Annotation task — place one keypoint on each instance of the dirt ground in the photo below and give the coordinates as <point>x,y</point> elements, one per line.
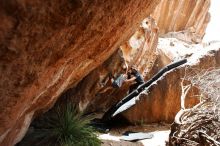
<point>120,143</point>
<point>139,128</point>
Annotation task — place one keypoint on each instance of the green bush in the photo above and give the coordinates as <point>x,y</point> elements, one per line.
<point>74,130</point>
<point>65,127</point>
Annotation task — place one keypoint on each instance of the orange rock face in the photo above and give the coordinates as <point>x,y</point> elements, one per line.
<point>96,88</point>
<point>48,46</point>
<point>189,16</point>
<point>140,49</point>
<point>162,101</point>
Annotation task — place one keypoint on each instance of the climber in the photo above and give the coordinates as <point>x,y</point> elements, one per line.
<point>117,83</point>
<point>134,75</point>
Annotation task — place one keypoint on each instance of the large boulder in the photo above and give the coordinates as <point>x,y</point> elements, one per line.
<point>96,88</point>
<point>186,19</point>
<point>163,100</point>
<point>141,50</point>
<point>49,46</point>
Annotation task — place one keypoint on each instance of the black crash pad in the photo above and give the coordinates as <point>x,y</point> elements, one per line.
<point>113,111</point>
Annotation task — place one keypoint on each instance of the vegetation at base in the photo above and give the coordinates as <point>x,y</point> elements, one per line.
<point>63,127</point>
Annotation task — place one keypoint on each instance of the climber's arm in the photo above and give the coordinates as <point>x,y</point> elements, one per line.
<point>131,80</point>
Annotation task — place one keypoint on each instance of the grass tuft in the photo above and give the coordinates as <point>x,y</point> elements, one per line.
<point>64,127</point>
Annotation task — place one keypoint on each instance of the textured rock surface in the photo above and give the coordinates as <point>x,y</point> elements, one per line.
<point>189,15</point>
<point>140,49</point>
<point>163,99</point>
<point>48,46</point>
<point>190,18</point>
<point>96,88</point>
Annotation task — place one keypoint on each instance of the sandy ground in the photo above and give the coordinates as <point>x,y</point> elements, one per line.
<point>160,132</point>
<point>120,143</point>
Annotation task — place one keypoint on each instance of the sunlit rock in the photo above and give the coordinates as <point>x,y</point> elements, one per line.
<point>187,17</point>
<point>49,46</point>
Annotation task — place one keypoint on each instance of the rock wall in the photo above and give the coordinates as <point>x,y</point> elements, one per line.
<point>190,19</point>
<point>189,15</point>
<point>96,88</point>
<point>49,46</point>
<point>162,101</point>
<point>140,49</point>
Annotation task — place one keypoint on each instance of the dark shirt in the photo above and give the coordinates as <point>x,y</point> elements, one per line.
<point>139,79</point>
